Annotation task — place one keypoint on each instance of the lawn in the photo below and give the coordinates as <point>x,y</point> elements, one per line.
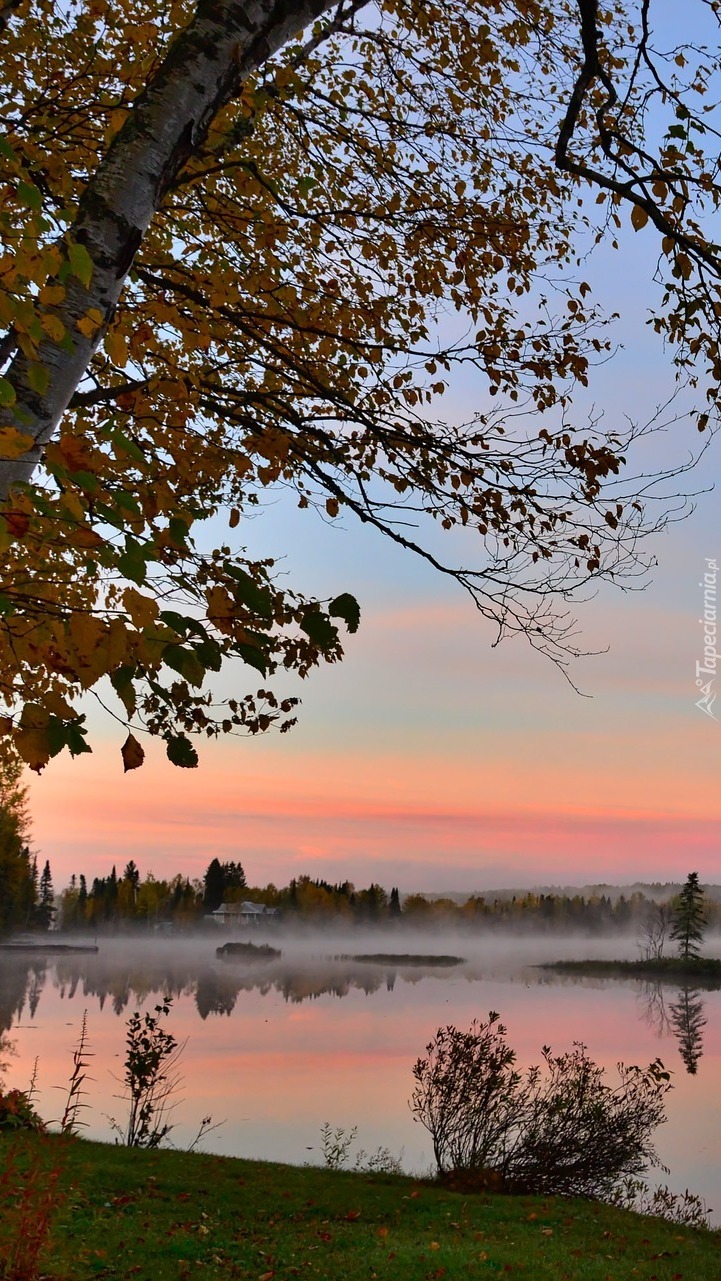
<point>172,1216</point>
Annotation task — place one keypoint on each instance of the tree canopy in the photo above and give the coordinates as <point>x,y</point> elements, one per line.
<point>245,246</point>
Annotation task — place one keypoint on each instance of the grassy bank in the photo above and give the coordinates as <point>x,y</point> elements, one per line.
<point>169,1216</point>
<point>705,970</point>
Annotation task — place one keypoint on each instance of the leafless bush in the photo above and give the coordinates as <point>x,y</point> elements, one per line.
<point>557,1129</point>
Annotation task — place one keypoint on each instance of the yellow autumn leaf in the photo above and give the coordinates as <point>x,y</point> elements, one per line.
<point>142,609</point>
<point>85,632</point>
<point>13,443</point>
<point>116,346</point>
<point>32,747</point>
<point>90,323</point>
<point>53,326</point>
<point>52,295</point>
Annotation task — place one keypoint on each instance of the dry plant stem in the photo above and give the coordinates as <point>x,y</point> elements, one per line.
<point>69,1121</point>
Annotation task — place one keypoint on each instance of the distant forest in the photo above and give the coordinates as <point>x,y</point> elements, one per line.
<point>129,899</point>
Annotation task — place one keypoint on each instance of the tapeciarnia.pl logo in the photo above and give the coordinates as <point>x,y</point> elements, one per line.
<point>706,671</point>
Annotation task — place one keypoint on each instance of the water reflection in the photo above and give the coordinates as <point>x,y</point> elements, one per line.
<point>686,1016</point>
<point>682,1017</point>
<point>214,987</point>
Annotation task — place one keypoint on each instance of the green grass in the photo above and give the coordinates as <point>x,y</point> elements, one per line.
<point>169,1216</point>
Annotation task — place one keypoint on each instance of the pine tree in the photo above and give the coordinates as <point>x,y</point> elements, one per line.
<point>394,904</point>
<point>689,921</point>
<point>213,886</point>
<point>45,910</point>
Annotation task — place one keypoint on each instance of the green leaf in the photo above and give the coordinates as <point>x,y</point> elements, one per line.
<point>131,562</point>
<point>209,654</point>
<point>178,530</point>
<point>346,607</point>
<point>181,752</point>
<point>81,264</point>
<point>127,445</point>
<point>68,734</point>
<point>7,393</point>
<point>38,377</point>
<point>319,628</point>
<point>248,592</point>
<point>28,194</point>
<point>178,622</point>
<point>122,682</point>
<point>255,657</point>
<point>185,662</point>
<point>86,480</point>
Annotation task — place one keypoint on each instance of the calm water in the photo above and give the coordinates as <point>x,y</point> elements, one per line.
<point>275,1051</point>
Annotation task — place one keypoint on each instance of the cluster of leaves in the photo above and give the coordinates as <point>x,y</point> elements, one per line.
<point>282,323</point>
<point>559,1131</point>
<point>17,1112</point>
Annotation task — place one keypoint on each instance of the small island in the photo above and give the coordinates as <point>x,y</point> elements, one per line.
<point>704,970</point>
<point>684,922</point>
<point>400,958</point>
<point>248,952</point>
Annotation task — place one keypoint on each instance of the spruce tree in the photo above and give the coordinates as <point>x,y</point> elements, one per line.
<point>45,910</point>
<point>689,920</point>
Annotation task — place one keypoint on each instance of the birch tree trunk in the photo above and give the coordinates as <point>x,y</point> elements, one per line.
<point>205,67</point>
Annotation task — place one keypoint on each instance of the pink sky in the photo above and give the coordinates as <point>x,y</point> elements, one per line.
<point>429,761</point>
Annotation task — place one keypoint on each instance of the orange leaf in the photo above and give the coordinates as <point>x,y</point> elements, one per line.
<point>133,757</point>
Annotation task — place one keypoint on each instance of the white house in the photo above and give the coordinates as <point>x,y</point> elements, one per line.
<point>235,915</point>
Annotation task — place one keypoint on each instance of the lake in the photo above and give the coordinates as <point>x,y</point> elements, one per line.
<point>276,1050</point>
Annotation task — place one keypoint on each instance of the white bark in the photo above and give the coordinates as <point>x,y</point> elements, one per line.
<point>204,69</point>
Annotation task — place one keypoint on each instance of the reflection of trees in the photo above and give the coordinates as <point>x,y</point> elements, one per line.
<point>215,985</point>
<point>683,1018</point>
<point>653,1007</point>
<point>212,995</point>
<point>686,1016</point>
<point>21,981</point>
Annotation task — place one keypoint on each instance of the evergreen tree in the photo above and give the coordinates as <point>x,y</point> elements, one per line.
<point>17,888</point>
<point>132,875</point>
<point>394,904</point>
<point>233,876</point>
<point>213,886</point>
<point>689,920</point>
<point>45,910</point>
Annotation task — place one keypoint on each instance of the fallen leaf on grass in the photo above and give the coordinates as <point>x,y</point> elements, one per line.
<point>352,1215</point>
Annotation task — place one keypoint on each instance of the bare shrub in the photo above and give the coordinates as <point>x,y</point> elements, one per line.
<point>556,1129</point>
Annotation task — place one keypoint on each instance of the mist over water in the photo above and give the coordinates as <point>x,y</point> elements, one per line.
<point>276,1048</point>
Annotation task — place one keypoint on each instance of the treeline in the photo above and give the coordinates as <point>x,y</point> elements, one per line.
<point>26,896</point>
<point>116,901</point>
<point>119,901</point>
